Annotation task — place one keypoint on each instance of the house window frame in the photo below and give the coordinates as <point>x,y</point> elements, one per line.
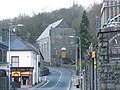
<point>14,62</point>
<point>1,56</point>
<point>4,56</point>
<point>47,47</point>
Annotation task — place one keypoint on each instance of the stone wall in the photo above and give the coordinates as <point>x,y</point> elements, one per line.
<point>59,39</point>
<point>3,80</point>
<point>108,60</point>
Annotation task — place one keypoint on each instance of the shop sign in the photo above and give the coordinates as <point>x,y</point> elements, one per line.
<point>15,73</point>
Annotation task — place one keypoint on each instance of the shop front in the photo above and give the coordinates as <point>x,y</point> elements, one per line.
<point>22,76</point>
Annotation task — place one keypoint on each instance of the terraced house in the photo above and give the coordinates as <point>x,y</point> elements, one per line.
<point>24,61</point>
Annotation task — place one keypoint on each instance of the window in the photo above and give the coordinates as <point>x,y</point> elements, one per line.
<point>15,61</point>
<point>39,64</point>
<point>4,55</point>
<point>119,8</point>
<point>111,2</point>
<point>1,55</point>
<point>47,46</point>
<point>42,48</point>
<point>107,13</point>
<point>111,12</point>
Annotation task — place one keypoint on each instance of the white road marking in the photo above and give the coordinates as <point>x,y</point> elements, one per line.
<point>57,81</point>
<point>116,41</point>
<point>45,84</point>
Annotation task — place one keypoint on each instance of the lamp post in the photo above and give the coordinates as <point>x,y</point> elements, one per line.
<point>78,62</point>
<point>78,46</point>
<point>10,28</point>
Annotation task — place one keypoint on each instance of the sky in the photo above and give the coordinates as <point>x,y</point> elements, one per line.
<point>13,8</point>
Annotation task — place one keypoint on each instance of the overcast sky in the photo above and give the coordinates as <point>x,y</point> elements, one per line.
<point>12,8</point>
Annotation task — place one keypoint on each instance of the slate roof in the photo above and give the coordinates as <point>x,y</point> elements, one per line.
<point>3,46</point>
<point>53,25</point>
<point>17,44</point>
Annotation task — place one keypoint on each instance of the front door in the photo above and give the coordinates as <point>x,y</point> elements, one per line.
<point>16,80</point>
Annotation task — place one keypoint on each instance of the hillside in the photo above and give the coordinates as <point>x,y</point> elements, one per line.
<point>34,26</point>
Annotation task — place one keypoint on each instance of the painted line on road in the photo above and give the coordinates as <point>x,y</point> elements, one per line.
<point>69,86</point>
<point>45,84</point>
<point>57,81</point>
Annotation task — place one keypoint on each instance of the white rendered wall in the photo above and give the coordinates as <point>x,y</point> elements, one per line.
<point>26,59</point>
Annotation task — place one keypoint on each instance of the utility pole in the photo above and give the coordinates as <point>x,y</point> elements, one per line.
<point>94,70</point>
<point>80,60</point>
<point>91,74</point>
<point>76,61</point>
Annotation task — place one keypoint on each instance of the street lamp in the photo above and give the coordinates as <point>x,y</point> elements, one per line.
<point>10,28</point>
<point>78,62</point>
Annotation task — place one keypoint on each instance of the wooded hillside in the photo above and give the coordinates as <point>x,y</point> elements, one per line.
<point>34,26</point>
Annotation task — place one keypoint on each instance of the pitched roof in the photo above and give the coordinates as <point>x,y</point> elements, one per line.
<point>46,31</point>
<point>3,46</point>
<point>18,44</point>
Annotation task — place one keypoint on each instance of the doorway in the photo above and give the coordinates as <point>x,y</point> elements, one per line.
<point>25,80</point>
<point>17,82</point>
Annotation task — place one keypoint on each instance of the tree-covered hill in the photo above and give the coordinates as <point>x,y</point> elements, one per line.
<point>34,26</point>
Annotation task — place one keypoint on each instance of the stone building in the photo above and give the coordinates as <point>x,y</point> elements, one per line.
<point>3,54</point>
<point>108,58</point>
<point>108,50</point>
<point>56,36</point>
<point>110,9</point>
<point>3,67</point>
<point>4,85</point>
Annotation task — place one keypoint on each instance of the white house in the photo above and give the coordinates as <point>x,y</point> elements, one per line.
<point>24,61</point>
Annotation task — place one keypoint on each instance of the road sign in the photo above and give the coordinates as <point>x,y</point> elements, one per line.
<point>93,54</point>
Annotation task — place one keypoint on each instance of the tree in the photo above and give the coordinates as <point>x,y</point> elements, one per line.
<point>84,35</point>
<point>94,11</point>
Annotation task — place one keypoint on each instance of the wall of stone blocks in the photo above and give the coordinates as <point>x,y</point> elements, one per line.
<point>4,83</point>
<point>108,60</point>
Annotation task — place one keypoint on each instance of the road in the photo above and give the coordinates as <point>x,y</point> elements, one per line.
<point>58,79</point>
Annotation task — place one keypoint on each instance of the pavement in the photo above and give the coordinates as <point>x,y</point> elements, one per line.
<point>35,86</point>
<point>71,86</point>
<point>73,82</point>
<point>40,84</point>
